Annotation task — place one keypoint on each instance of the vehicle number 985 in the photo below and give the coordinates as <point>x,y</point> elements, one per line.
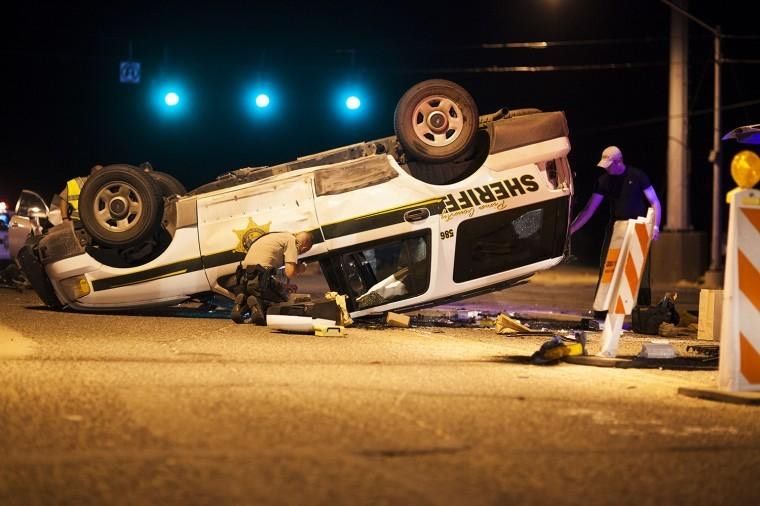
<point>447,234</point>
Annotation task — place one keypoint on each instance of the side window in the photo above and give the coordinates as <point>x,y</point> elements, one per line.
<point>510,239</point>
<point>385,272</point>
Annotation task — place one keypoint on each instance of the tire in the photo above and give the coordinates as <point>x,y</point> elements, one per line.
<point>436,121</point>
<point>120,206</point>
<point>168,184</point>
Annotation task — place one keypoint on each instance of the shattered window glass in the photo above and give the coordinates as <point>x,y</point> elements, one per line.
<point>528,224</point>
<point>389,271</point>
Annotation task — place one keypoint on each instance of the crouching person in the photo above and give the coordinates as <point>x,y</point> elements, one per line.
<point>260,280</point>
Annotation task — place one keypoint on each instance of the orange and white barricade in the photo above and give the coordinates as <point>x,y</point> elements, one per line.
<point>739,368</point>
<point>621,277</point>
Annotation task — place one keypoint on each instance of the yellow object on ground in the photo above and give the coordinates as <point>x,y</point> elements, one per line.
<point>565,350</point>
<point>329,330</point>
<point>554,350</point>
<point>340,300</point>
<point>506,325</point>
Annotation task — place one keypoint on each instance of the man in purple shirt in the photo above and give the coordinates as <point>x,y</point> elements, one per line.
<point>630,194</point>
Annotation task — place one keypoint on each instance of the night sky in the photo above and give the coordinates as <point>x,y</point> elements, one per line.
<point>64,109</point>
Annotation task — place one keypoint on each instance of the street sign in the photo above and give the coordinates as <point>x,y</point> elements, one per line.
<point>129,72</point>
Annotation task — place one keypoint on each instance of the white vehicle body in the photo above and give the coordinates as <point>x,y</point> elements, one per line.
<point>385,237</point>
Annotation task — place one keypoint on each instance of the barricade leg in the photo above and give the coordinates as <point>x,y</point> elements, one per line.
<point>613,327</point>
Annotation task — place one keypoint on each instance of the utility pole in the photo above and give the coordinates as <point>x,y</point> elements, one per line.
<point>677,184</point>
<point>678,216</point>
<point>714,276</point>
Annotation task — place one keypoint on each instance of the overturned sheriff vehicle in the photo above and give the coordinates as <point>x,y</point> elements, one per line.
<point>453,205</point>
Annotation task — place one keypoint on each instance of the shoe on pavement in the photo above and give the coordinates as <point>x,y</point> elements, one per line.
<point>257,314</point>
<point>240,310</point>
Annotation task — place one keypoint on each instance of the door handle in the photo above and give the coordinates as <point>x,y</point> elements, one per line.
<point>417,214</point>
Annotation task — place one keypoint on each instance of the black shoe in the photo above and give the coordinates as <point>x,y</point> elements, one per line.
<point>257,312</point>
<point>241,310</point>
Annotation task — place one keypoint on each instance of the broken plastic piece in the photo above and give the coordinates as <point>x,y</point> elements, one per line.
<point>344,317</point>
<point>507,325</point>
<point>464,315</point>
<point>591,324</point>
<point>397,320</point>
<point>290,323</point>
<point>657,350</point>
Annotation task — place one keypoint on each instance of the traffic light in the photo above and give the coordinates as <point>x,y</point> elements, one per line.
<point>353,102</point>
<point>170,98</point>
<point>261,99</point>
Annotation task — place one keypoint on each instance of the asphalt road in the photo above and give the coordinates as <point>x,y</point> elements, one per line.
<point>189,408</point>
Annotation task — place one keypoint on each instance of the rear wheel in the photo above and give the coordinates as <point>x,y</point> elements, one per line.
<point>436,121</point>
<point>120,206</point>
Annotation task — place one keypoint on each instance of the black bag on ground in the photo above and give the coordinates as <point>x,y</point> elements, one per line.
<point>647,319</point>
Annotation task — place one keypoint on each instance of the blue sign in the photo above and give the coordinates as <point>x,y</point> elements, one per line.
<point>129,72</point>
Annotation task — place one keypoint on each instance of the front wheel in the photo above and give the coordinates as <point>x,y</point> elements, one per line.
<point>436,121</point>
<point>120,206</point>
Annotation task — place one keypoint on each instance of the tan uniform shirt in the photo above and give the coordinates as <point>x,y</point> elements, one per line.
<point>272,250</point>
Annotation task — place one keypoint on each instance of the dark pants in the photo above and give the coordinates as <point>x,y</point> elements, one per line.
<point>645,290</point>
<point>260,281</point>
<point>256,290</point>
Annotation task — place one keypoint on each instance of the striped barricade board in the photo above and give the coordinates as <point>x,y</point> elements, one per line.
<point>611,267</point>
<point>619,286</point>
<point>739,368</point>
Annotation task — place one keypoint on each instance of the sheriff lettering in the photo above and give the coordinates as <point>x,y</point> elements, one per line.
<point>489,193</point>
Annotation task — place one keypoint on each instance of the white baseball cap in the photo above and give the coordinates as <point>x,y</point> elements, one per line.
<point>609,155</point>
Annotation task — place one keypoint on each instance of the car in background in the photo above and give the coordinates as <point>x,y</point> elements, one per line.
<point>454,204</point>
<point>748,134</point>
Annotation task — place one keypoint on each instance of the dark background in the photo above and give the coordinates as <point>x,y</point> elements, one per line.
<point>64,110</point>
